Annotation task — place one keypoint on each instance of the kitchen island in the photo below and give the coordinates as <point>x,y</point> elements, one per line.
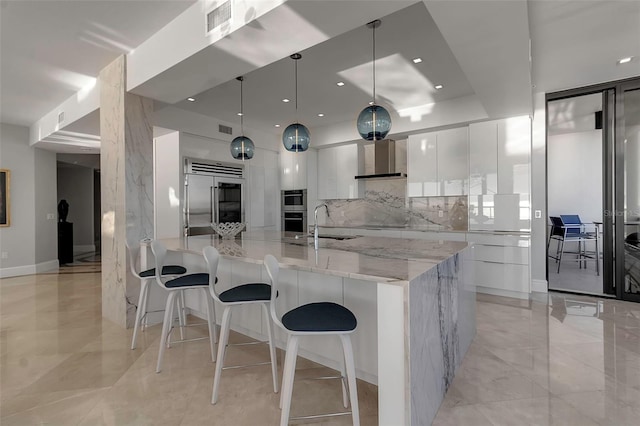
<point>414,300</point>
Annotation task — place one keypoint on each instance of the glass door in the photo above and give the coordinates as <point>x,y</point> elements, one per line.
<point>627,216</point>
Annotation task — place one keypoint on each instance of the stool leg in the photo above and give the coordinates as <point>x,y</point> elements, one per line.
<point>211,317</point>
<point>139,312</point>
<point>287,382</point>
<point>166,327</point>
<point>222,349</point>
<point>272,347</point>
<point>182,318</point>
<point>351,376</point>
<point>145,303</point>
<point>343,382</point>
<point>284,373</point>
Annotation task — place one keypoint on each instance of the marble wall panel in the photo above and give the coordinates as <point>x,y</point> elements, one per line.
<point>126,187</point>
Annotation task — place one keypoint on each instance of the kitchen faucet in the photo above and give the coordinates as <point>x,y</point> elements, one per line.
<point>315,223</point>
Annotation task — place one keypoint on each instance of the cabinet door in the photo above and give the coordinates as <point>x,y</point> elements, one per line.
<point>514,155</point>
<point>347,169</point>
<point>453,162</point>
<point>422,165</point>
<point>293,170</point>
<point>327,170</point>
<point>286,176</point>
<point>483,158</point>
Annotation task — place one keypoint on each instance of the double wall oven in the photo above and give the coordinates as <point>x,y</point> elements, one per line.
<point>294,210</point>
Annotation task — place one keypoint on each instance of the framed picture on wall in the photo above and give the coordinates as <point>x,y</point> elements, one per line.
<point>5,200</point>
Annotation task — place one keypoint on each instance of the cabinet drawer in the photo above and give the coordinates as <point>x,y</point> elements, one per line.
<point>502,254</point>
<point>504,276</point>
<point>499,240</point>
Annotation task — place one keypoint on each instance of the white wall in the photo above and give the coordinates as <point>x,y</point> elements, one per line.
<point>75,184</point>
<point>574,174</point>
<point>539,195</point>
<point>30,240</point>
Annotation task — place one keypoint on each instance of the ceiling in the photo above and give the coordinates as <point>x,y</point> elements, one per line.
<point>573,43</point>
<point>404,35</point>
<point>52,49</point>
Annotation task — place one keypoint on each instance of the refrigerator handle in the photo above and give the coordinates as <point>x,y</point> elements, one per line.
<point>186,209</point>
<point>212,204</point>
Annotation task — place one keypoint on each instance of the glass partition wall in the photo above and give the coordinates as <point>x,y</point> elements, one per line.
<point>593,189</point>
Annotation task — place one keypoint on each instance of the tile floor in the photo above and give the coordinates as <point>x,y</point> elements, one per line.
<point>566,360</point>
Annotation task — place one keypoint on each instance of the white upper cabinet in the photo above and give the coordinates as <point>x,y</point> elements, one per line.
<point>337,168</point>
<point>293,170</point>
<point>483,158</point>
<point>437,163</point>
<point>500,159</point>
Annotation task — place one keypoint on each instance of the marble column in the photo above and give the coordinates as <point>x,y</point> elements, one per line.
<point>126,171</point>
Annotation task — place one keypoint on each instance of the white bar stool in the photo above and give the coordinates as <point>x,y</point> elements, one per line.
<point>314,319</point>
<point>253,293</point>
<point>145,277</point>
<point>198,281</point>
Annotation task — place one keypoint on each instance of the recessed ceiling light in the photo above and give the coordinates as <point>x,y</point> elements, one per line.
<point>277,125</point>
<point>438,86</point>
<point>321,115</point>
<point>240,114</point>
<point>285,100</point>
<point>417,60</point>
<point>340,83</point>
<point>191,99</point>
<point>625,60</point>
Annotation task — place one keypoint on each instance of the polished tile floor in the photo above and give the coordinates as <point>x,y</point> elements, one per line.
<point>565,360</point>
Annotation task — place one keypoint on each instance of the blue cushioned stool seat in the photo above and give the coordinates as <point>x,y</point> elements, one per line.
<point>323,316</point>
<point>247,293</point>
<point>166,270</point>
<point>188,280</point>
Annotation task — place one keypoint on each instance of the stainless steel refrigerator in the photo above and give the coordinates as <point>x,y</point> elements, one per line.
<point>212,199</point>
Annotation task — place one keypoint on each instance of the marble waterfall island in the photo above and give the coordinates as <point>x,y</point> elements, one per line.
<point>414,301</point>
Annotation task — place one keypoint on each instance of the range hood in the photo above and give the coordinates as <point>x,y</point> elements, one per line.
<point>385,161</point>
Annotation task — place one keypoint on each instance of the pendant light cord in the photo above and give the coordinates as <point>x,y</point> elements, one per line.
<point>241,107</point>
<point>374,64</point>
<point>296,68</point>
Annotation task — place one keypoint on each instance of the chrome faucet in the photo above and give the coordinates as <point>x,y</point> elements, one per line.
<point>315,223</point>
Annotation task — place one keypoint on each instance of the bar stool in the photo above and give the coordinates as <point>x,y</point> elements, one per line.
<point>197,281</point>
<point>145,277</point>
<point>245,294</point>
<point>314,319</point>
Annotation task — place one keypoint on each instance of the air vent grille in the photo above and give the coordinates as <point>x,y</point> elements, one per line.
<point>60,117</point>
<point>219,16</point>
<point>225,129</point>
<point>199,167</point>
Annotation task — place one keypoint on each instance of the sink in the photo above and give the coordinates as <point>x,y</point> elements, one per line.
<point>308,239</point>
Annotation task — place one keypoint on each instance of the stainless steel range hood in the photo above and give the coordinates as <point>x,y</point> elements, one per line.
<point>385,161</point>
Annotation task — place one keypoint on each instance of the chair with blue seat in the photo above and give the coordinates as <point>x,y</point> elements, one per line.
<point>174,286</point>
<point>244,294</point>
<point>314,319</point>
<point>572,231</point>
<point>145,277</point>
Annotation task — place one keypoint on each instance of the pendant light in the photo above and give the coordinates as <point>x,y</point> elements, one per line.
<point>296,136</point>
<point>374,122</point>
<point>242,147</point>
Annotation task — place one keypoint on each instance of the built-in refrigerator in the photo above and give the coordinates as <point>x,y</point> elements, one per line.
<point>211,198</point>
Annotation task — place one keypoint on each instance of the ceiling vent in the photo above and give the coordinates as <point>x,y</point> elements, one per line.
<point>219,16</point>
<point>60,117</point>
<point>225,129</point>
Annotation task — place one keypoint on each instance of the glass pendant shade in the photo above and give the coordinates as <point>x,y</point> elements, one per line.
<point>296,138</point>
<point>242,148</point>
<point>374,123</point>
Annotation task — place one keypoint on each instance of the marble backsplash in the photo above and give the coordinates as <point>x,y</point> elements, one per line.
<point>385,204</point>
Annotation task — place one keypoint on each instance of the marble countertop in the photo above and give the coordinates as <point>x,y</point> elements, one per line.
<point>365,258</point>
<point>422,228</point>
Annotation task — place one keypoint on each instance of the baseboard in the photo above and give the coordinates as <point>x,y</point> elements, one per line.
<point>17,271</point>
<point>539,286</point>
<point>503,293</point>
<point>83,248</point>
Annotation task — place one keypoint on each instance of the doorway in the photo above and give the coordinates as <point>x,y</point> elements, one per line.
<point>593,190</point>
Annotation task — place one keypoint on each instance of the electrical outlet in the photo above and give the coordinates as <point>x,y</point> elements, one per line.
<point>538,214</point>
<point>5,255</point>
<point>440,213</point>
<point>50,216</point>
